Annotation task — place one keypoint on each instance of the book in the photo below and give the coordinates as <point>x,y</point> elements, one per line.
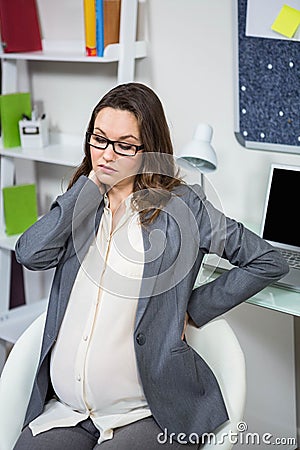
<point>20,208</point>
<point>99,27</point>
<point>102,25</point>
<point>20,27</point>
<point>12,109</point>
<point>17,291</point>
<point>90,27</point>
<point>111,13</point>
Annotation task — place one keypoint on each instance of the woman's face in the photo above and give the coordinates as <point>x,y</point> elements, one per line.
<point>113,169</point>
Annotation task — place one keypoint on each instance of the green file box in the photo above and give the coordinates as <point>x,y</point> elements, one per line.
<point>20,207</point>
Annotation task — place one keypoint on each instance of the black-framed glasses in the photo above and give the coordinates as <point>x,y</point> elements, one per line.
<point>120,148</point>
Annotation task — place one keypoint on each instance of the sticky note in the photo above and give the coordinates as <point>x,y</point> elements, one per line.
<point>20,207</point>
<point>287,21</point>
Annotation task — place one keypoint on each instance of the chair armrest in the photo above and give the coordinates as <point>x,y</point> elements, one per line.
<point>17,380</point>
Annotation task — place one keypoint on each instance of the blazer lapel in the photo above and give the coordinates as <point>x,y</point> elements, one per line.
<point>154,238</point>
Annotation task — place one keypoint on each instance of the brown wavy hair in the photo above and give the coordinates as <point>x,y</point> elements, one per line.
<point>158,175</point>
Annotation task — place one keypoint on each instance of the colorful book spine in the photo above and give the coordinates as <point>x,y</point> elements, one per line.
<point>102,25</point>
<point>99,27</point>
<point>111,15</point>
<point>90,27</point>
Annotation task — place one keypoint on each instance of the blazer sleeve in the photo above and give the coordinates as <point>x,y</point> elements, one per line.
<point>42,245</point>
<point>258,264</point>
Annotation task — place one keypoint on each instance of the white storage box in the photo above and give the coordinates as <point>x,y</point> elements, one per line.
<point>34,133</point>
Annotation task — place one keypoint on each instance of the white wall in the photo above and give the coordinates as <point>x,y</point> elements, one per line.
<point>190,65</point>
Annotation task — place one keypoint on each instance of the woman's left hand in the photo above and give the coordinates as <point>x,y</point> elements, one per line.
<point>186,319</point>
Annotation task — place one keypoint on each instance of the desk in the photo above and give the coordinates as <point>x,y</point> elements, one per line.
<point>278,299</point>
<point>272,297</point>
<point>264,326</point>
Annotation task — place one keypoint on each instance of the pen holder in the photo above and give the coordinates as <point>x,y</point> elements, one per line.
<point>34,133</point>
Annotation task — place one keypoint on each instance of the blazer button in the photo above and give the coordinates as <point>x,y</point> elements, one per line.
<point>141,339</point>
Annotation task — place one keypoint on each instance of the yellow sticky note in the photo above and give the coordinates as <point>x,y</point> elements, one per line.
<point>287,21</point>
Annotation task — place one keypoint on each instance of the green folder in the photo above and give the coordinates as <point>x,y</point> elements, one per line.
<point>12,108</point>
<point>20,207</point>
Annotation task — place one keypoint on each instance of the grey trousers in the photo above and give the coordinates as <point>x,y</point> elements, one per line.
<point>138,435</point>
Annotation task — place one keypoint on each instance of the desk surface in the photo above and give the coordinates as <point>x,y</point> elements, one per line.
<point>278,299</point>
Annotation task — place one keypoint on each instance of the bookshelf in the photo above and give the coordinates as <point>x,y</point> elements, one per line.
<point>62,150</point>
<point>65,155</point>
<point>72,51</point>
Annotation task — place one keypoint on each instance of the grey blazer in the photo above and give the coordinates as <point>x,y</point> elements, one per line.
<point>181,390</point>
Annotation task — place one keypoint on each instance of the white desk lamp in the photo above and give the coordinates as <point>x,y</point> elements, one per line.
<point>198,152</point>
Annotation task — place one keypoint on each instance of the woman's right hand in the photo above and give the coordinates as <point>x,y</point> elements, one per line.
<point>92,176</point>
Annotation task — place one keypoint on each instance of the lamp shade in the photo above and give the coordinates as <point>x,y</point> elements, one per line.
<point>199,152</point>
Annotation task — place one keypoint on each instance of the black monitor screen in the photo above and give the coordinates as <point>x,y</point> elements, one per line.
<point>282,217</point>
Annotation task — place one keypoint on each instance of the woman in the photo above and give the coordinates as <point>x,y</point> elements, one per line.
<point>127,240</point>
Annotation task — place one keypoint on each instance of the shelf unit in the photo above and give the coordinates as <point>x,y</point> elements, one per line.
<point>72,51</point>
<point>15,77</point>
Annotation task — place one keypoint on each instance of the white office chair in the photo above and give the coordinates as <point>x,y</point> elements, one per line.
<point>215,342</point>
<point>17,380</point>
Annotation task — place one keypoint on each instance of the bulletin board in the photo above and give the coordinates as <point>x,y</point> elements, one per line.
<point>267,88</point>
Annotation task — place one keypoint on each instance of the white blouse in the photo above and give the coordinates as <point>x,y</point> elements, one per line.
<point>93,366</point>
